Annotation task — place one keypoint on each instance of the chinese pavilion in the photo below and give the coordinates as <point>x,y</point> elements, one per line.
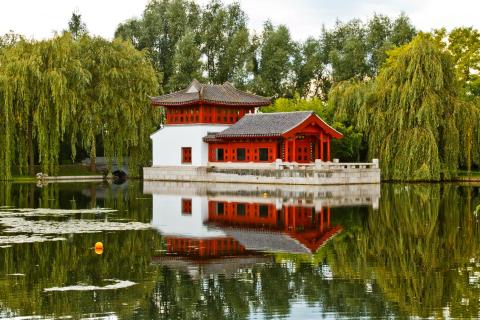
<point>218,123</point>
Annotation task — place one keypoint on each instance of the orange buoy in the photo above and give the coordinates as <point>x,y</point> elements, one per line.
<point>98,248</point>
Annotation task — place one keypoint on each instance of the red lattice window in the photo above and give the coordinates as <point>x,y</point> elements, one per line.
<point>186,155</point>
<point>186,206</point>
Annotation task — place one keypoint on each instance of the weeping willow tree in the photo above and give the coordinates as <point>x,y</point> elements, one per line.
<point>412,115</point>
<point>115,107</point>
<point>41,84</point>
<point>83,89</point>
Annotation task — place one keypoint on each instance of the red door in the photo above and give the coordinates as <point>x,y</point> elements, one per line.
<point>302,152</point>
<point>186,155</point>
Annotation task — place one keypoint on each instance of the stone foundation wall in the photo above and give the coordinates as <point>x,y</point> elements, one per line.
<point>318,174</point>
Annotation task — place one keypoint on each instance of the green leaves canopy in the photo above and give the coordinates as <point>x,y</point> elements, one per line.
<point>412,114</point>
<point>53,88</point>
<point>464,46</point>
<point>269,62</point>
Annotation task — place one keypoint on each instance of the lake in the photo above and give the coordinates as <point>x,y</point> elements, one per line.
<point>233,251</point>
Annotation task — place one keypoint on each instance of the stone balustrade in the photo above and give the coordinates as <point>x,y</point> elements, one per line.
<point>318,173</point>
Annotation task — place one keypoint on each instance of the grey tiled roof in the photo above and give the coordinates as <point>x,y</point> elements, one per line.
<point>268,125</point>
<point>225,94</point>
<point>266,241</point>
<point>265,124</point>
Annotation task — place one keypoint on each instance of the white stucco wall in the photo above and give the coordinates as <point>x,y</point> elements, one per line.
<point>168,142</point>
<point>169,220</point>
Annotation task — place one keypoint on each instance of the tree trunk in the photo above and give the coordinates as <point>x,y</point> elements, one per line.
<point>31,150</point>
<point>93,157</point>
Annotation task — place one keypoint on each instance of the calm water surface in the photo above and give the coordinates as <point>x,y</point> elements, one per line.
<point>220,251</point>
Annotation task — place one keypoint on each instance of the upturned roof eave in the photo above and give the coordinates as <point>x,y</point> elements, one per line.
<point>325,126</point>
<point>223,94</point>
<point>215,102</point>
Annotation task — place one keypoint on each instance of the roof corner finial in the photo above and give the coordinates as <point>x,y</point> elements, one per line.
<point>200,93</point>
<point>194,86</point>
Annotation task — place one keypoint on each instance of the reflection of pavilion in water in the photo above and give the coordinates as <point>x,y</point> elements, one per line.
<point>273,227</point>
<point>218,220</point>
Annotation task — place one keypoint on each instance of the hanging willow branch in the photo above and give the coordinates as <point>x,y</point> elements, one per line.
<point>412,114</point>
<point>89,88</point>
<point>115,106</point>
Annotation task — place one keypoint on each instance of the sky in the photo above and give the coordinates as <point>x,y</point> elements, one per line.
<point>39,19</point>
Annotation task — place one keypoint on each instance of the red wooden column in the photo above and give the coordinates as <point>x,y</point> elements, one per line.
<point>328,149</point>
<point>328,216</point>
<point>294,151</point>
<point>285,151</point>
<point>321,146</point>
<point>201,113</point>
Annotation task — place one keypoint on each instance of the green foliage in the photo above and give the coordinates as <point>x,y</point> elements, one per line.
<point>116,104</point>
<point>163,24</point>
<point>76,26</point>
<point>269,63</point>
<point>346,50</point>
<point>275,61</point>
<point>9,39</point>
<point>412,116</point>
<point>59,88</point>
<point>187,64</point>
<point>299,104</point>
<point>225,40</point>
<point>311,75</point>
<point>356,50</point>
<point>42,83</point>
<point>464,46</point>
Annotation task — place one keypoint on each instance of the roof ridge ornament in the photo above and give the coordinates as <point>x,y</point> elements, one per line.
<point>194,86</point>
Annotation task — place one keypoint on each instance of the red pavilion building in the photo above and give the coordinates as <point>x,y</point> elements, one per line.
<point>219,123</point>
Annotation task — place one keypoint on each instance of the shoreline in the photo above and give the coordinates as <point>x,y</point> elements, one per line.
<point>98,178</point>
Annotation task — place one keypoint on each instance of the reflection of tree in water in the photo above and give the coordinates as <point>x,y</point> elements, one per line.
<point>127,256</point>
<point>410,257</point>
<point>417,248</point>
<point>415,255</point>
<point>66,263</point>
<point>127,199</point>
<point>268,289</point>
